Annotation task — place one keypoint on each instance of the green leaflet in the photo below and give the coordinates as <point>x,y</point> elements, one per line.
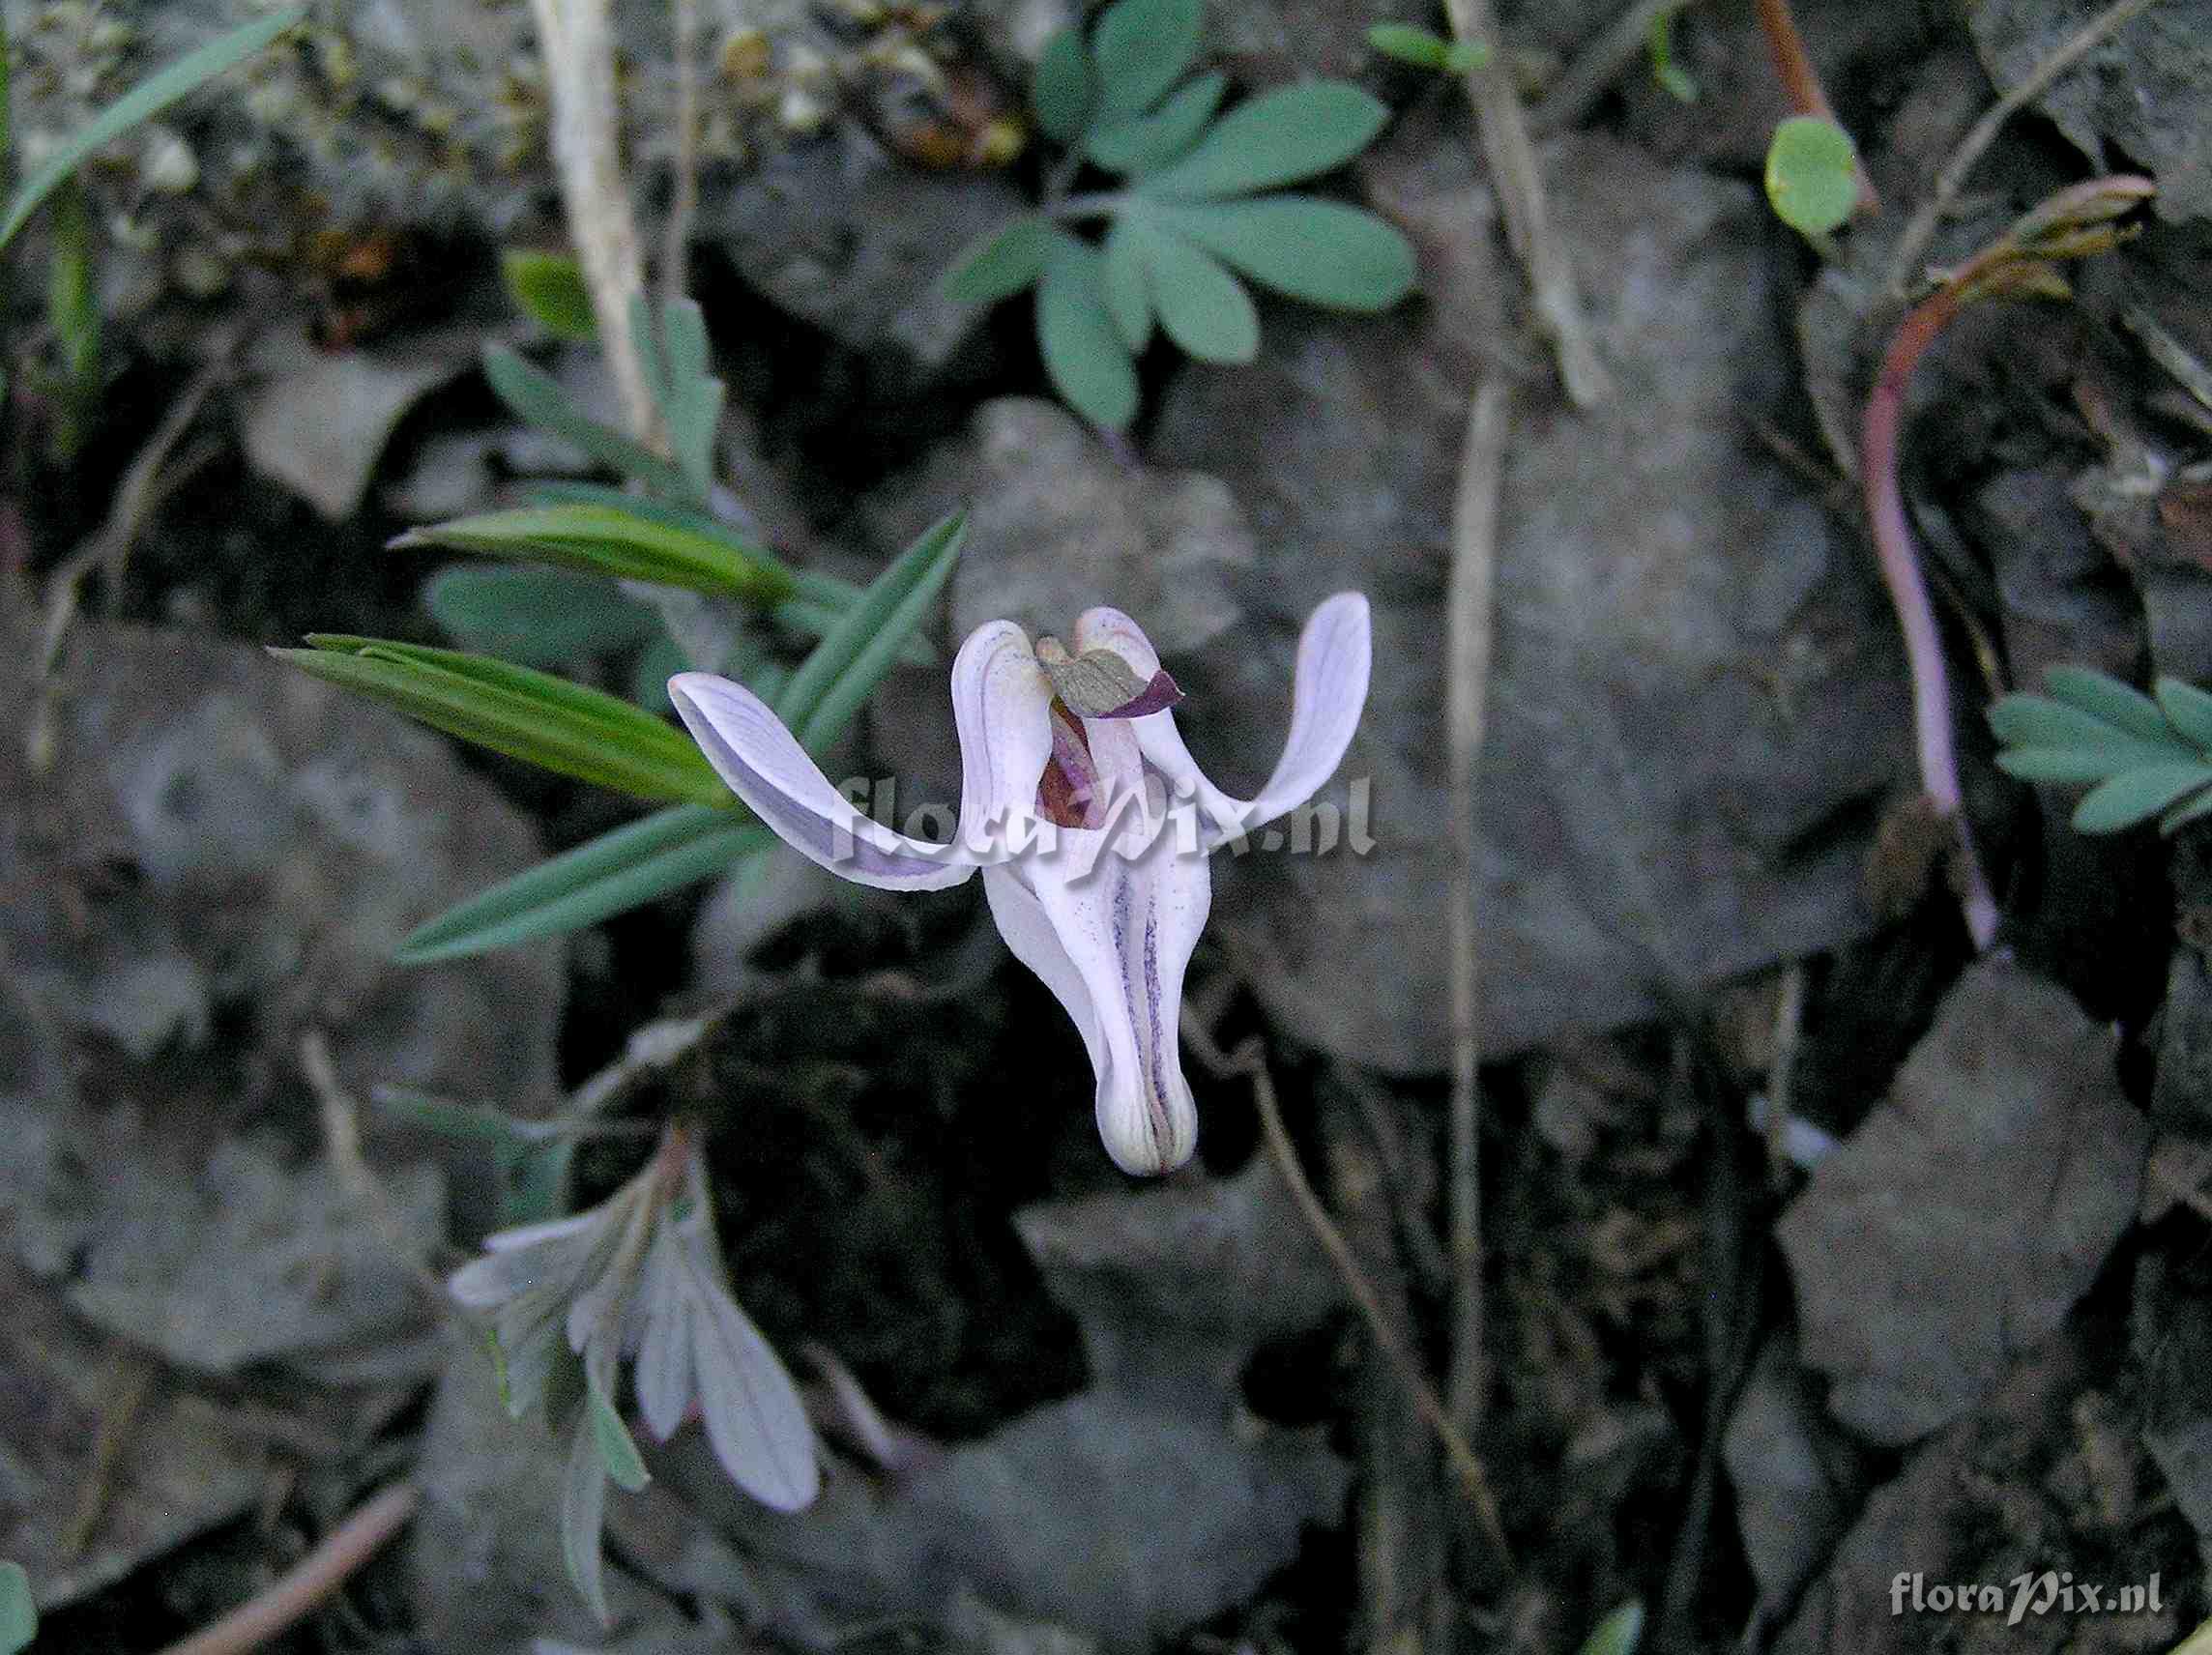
<point>1126,281</point>
<point>676,362</point>
<point>549,289</point>
<point>1811,174</point>
<point>1138,50</point>
<point>1279,137</point>
<point>1144,143</point>
<point>2135,796</point>
<point>536,398</point>
<point>18,1610</point>
<point>616,540</point>
<point>520,712</point>
<point>1202,306</point>
<point>1063,91</point>
<point>1321,251</point>
<point>1088,364</point>
<point>1001,264</point>
<point>1425,50</point>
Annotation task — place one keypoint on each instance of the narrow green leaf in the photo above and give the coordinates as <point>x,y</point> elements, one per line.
<point>1619,1633</point>
<point>1127,286</point>
<point>1084,355</point>
<point>618,1450</point>
<point>541,618</point>
<point>18,1610</point>
<point>148,99</point>
<point>2022,720</point>
<point>2136,796</point>
<point>1138,49</point>
<point>1811,174</point>
<point>2188,709</point>
<point>1145,143</point>
<point>1001,264</point>
<point>1063,91</point>
<point>617,541</point>
<point>533,395</point>
<point>1409,44</point>
<point>1202,306</point>
<point>670,515</point>
<point>2107,698</point>
<point>846,666</point>
<point>1324,252</point>
<point>549,289</point>
<point>520,712</point>
<point>857,682</point>
<point>1279,137</point>
<point>615,872</point>
<point>677,361</point>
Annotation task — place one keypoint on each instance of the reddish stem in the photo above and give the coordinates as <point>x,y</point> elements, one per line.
<point>1801,81</point>
<point>1909,592</point>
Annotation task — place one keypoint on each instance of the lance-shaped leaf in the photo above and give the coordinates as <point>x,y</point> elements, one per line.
<point>1321,251</point>
<point>615,541</point>
<point>1145,143</point>
<point>1084,354</point>
<point>520,712</point>
<point>549,289</point>
<point>2136,796</point>
<point>2188,710</point>
<point>1278,137</point>
<point>1138,49</point>
<point>677,361</point>
<point>142,102</point>
<point>535,397</point>
<point>538,617</point>
<point>1063,91</point>
<point>1127,282</point>
<point>2109,700</point>
<point>1001,264</point>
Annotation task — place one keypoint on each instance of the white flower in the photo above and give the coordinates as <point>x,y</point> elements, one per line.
<point>1046,791</point>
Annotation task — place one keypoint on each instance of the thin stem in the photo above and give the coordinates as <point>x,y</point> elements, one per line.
<point>1912,245</point>
<point>1468,645</point>
<point>1099,204</point>
<point>1512,155</point>
<point>1899,561</point>
<point>314,1578</point>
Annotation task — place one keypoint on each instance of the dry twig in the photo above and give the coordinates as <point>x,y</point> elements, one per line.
<point>1912,245</point>
<point>314,1578</point>
<point>341,1139</point>
<point>676,249</point>
<point>1512,156</point>
<point>133,1381</point>
<point>1467,645</point>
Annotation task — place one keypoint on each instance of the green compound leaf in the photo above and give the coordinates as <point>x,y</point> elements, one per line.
<point>616,541</point>
<point>2188,709</point>
<point>1321,251</point>
<point>1001,264</point>
<point>535,397</point>
<point>1202,306</point>
<point>520,712</point>
<point>1063,91</point>
<point>549,289</point>
<point>540,618</point>
<point>142,102</point>
<point>1145,143</point>
<point>2136,796</point>
<point>1278,137</point>
<point>633,865</point>
<point>1128,287</point>
<point>1138,49</point>
<point>2110,700</point>
<point>1084,355</point>
<point>1811,174</point>
<point>18,1610</point>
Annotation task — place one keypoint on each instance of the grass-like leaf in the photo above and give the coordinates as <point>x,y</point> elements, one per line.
<point>1063,92</point>
<point>536,398</point>
<point>1321,251</point>
<point>1811,174</point>
<point>549,289</point>
<point>1145,143</point>
<point>1127,284</point>
<point>1084,355</point>
<point>617,541</point>
<point>1279,137</point>
<point>142,102</point>
<point>18,1610</point>
<point>820,700</point>
<point>1138,50</point>
<point>1202,306</point>
<point>1001,264</point>
<point>2137,794</point>
<point>609,875</point>
<point>538,617</point>
<point>520,712</point>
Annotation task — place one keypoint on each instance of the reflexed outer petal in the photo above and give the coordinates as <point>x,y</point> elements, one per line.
<point>1335,654</point>
<point>999,702</point>
<point>1127,929</point>
<point>768,768</point>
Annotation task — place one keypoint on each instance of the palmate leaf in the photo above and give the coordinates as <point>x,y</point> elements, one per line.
<point>142,102</point>
<point>1321,251</point>
<point>1279,137</point>
<point>520,712</point>
<point>1138,50</point>
<point>1084,354</point>
<point>617,541</point>
<point>1144,143</point>
<point>1001,264</point>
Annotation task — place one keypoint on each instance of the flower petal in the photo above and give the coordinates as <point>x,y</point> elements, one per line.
<point>1032,940</point>
<point>1000,701</point>
<point>1335,654</point>
<point>1127,929</point>
<point>768,768</point>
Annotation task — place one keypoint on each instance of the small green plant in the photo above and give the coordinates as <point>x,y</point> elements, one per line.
<point>1659,47</point>
<point>18,1612</point>
<point>1811,174</point>
<point>2145,756</point>
<point>1422,50</point>
<point>1197,210</point>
